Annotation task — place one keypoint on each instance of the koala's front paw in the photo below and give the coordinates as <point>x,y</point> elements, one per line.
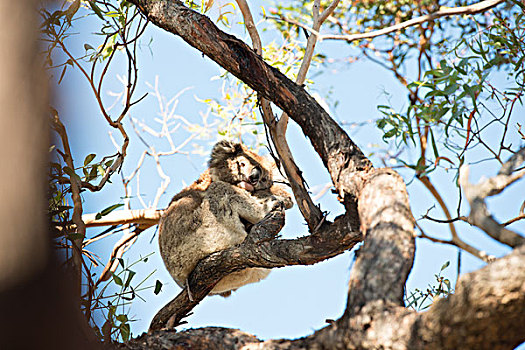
<point>274,203</point>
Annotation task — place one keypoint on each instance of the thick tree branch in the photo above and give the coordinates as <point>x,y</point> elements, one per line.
<point>307,250</point>
<point>386,258</point>
<point>484,313</point>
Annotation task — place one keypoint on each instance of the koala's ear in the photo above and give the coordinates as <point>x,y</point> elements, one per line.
<point>222,150</point>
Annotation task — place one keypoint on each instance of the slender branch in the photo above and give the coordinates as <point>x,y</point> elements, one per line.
<point>118,251</point>
<point>77,201</point>
<point>426,182</point>
<point>476,194</point>
<point>481,6</point>
<point>309,210</point>
<point>309,52</point>
<point>250,26</point>
<point>457,242</point>
<point>517,218</point>
<point>140,216</point>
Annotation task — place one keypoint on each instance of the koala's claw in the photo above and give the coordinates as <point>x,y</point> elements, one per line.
<point>278,206</point>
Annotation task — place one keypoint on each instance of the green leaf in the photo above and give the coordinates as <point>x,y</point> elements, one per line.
<point>71,173</point>
<point>117,280</point>
<point>122,318</point>
<point>158,287</point>
<point>445,265</point>
<point>97,10</point>
<point>129,278</point>
<point>73,8</point>
<point>109,209</point>
<point>434,147</point>
<point>125,331</point>
<point>62,74</point>
<point>89,158</point>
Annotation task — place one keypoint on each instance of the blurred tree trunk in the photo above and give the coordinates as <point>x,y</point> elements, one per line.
<point>37,306</point>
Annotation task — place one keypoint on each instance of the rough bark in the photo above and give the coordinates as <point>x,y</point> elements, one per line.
<point>270,254</point>
<point>486,303</point>
<point>486,312</point>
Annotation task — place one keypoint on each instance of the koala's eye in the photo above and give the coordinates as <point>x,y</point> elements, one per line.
<point>255,175</point>
<point>242,164</point>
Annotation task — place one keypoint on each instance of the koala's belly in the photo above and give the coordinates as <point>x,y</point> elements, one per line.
<point>238,279</point>
<point>182,247</point>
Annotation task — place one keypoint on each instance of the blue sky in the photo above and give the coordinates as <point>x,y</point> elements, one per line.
<point>292,301</point>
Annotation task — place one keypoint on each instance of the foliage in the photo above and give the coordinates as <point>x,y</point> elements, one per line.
<point>120,29</point>
<point>420,300</point>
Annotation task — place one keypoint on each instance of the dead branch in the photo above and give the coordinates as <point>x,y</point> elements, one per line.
<point>476,194</point>
<point>139,216</point>
<point>473,9</point>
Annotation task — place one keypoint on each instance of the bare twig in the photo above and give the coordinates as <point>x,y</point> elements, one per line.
<point>118,251</point>
<point>479,215</point>
<point>443,12</point>
<point>517,218</point>
<point>457,242</point>
<point>140,216</point>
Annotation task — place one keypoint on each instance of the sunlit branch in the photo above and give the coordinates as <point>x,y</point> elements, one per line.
<point>443,12</point>
<point>277,131</point>
<point>476,194</point>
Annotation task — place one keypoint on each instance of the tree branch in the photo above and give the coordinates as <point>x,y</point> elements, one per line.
<point>307,250</point>
<point>139,216</point>
<point>484,313</point>
<point>310,212</point>
<point>388,226</point>
<point>473,9</point>
<point>80,227</point>
<point>479,215</point>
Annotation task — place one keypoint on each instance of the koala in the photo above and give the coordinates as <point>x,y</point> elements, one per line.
<point>216,211</point>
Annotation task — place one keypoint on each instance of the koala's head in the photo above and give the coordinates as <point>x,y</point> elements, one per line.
<point>233,163</point>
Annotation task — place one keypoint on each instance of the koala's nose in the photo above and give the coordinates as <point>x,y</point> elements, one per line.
<point>255,175</point>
